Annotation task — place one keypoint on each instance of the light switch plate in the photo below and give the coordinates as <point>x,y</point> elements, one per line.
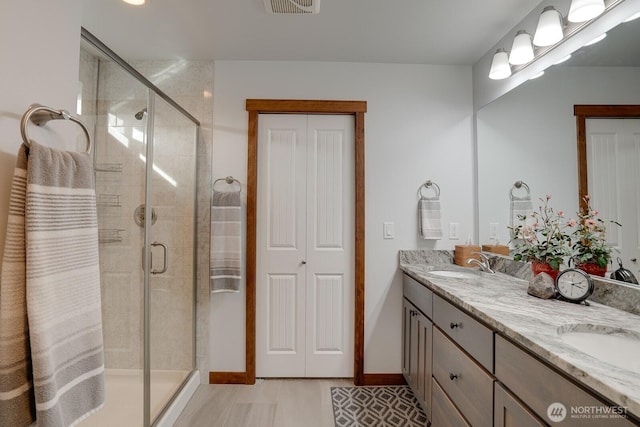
<point>388,230</point>
<point>493,230</point>
<point>454,230</point>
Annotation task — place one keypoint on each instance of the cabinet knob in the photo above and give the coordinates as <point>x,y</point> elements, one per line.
<point>454,325</point>
<point>413,313</point>
<point>303,262</point>
<point>453,376</point>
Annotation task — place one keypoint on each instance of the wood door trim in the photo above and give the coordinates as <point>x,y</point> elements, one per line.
<point>582,113</point>
<point>278,106</point>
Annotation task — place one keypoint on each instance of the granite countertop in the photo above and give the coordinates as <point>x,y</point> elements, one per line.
<point>501,301</point>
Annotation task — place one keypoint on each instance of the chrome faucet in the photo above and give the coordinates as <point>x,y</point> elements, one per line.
<point>483,265</point>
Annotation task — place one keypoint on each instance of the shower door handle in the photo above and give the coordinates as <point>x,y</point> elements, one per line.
<point>165,264</point>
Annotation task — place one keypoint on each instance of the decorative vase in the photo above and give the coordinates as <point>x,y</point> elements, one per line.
<point>592,268</point>
<point>543,267</point>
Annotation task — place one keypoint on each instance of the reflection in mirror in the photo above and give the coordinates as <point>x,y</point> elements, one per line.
<point>529,134</point>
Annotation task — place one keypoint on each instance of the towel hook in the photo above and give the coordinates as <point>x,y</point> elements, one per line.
<point>427,185</point>
<point>40,115</point>
<point>229,180</point>
<point>517,185</point>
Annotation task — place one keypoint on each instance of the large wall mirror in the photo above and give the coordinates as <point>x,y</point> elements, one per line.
<point>529,135</point>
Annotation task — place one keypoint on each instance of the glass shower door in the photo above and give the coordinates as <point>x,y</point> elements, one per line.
<point>171,239</point>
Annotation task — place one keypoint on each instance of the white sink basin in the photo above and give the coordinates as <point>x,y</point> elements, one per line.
<point>616,346</point>
<point>453,274</point>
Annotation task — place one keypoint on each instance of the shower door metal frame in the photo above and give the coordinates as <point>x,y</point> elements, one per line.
<point>153,91</point>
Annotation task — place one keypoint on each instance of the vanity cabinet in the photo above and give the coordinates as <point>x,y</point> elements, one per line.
<point>465,374</point>
<point>417,341</point>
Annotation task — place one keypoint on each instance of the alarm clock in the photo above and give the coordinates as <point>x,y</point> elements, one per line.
<point>574,285</point>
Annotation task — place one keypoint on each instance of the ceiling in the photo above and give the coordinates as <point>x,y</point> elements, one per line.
<point>444,32</point>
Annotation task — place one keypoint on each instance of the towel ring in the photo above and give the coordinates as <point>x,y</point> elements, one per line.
<point>229,180</point>
<point>517,185</point>
<point>40,115</point>
<point>428,184</point>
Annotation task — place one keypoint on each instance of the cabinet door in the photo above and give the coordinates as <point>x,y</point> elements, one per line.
<point>510,412</point>
<point>407,309</point>
<point>417,352</point>
<point>424,361</point>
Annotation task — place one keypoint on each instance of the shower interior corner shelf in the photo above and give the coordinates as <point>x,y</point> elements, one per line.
<point>109,200</point>
<point>108,167</point>
<point>110,235</point>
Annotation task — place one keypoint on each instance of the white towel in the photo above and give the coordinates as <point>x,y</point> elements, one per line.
<point>521,207</point>
<point>429,218</point>
<point>52,370</point>
<point>226,242</point>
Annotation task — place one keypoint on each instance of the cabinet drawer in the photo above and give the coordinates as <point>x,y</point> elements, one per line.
<point>473,336</point>
<point>538,386</point>
<point>419,295</point>
<point>464,381</point>
<point>444,413</point>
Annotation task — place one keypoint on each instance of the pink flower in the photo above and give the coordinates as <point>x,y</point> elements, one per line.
<point>560,214</point>
<point>571,222</point>
<point>548,196</point>
<point>590,223</point>
<point>528,234</point>
<point>595,213</point>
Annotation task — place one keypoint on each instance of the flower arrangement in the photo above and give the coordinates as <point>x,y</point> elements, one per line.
<point>542,237</point>
<point>590,237</point>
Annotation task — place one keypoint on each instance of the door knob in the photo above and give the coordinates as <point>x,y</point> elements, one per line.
<point>303,262</point>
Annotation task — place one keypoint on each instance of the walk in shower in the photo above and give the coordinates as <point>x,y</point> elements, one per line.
<point>145,172</point>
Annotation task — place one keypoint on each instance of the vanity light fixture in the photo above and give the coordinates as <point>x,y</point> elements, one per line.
<point>135,2</point>
<point>597,39</point>
<point>549,29</point>
<point>500,68</point>
<point>522,49</point>
<point>584,10</point>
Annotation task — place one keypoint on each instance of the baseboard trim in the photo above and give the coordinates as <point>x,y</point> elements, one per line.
<point>384,379</point>
<point>227,378</point>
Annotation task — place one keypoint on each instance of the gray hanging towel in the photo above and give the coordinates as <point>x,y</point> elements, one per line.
<point>226,241</point>
<point>51,348</point>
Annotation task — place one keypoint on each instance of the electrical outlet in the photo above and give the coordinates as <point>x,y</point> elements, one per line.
<point>454,230</point>
<point>493,231</point>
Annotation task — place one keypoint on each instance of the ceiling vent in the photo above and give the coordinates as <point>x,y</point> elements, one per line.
<point>292,6</point>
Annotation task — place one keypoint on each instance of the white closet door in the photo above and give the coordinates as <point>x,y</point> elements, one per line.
<point>330,246</point>
<point>305,246</point>
<point>613,153</point>
<point>281,246</point>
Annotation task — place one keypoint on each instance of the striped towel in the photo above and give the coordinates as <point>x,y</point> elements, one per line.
<point>52,370</point>
<point>226,241</point>
<point>430,223</point>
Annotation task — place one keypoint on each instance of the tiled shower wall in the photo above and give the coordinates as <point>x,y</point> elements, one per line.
<point>190,84</point>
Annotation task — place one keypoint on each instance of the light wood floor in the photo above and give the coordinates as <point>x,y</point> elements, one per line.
<point>268,403</point>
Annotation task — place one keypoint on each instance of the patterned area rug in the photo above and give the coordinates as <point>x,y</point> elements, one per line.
<point>376,407</point>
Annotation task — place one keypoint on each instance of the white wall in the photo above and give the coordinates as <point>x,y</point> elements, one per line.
<point>418,127</point>
<point>39,47</point>
<point>530,134</point>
